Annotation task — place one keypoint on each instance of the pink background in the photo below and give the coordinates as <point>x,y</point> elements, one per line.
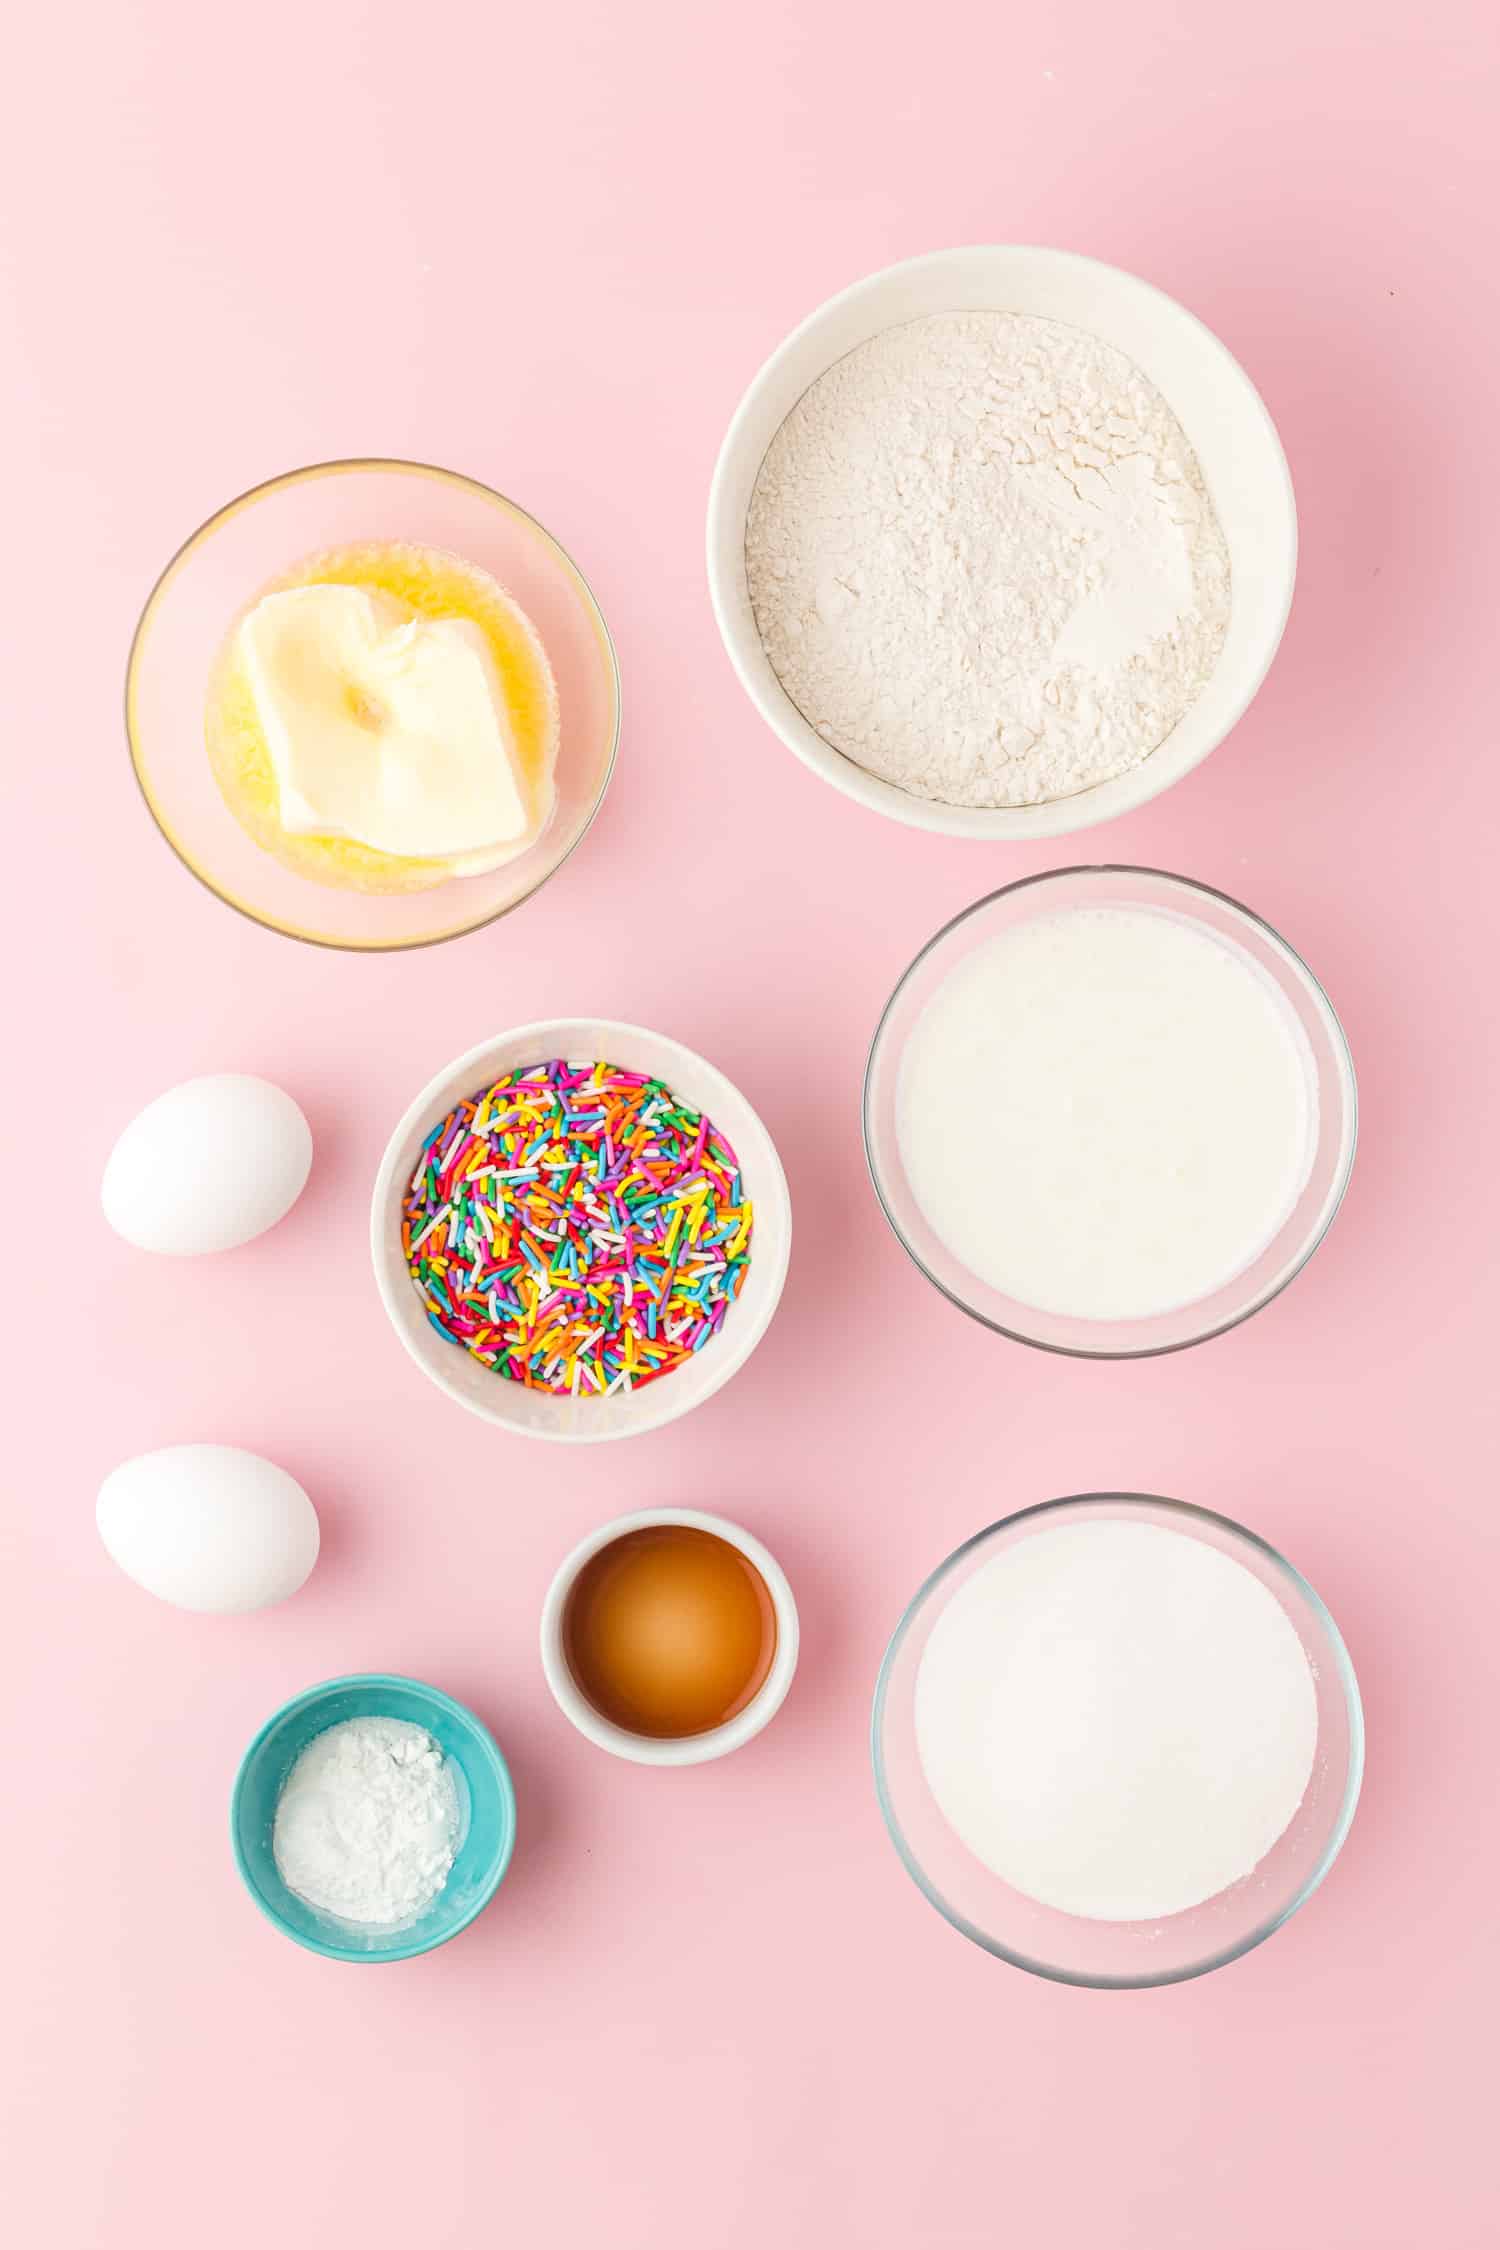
<point>709,2008</point>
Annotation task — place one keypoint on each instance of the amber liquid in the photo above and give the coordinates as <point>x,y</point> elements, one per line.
<point>669,1631</point>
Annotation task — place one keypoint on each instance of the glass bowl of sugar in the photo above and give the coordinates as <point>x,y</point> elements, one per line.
<point>1117,1740</point>
<point>1108,1111</point>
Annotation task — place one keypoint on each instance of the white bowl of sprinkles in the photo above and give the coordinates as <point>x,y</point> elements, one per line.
<point>478,1332</point>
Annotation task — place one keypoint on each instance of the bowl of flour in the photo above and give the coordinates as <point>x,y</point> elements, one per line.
<point>1001,542</point>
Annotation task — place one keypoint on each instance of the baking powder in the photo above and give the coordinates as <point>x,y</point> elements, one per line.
<point>983,561</point>
<point>366,1825</point>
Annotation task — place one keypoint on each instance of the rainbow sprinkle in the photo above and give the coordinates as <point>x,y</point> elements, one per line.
<point>579,1231</point>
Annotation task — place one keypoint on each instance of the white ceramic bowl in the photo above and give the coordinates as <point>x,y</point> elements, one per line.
<point>684,1750</point>
<point>1223,414</point>
<point>585,1421</point>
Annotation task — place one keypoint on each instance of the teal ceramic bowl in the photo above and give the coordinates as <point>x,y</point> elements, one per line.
<point>486,1813</point>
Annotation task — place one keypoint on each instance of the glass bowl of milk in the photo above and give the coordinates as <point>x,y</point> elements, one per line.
<point>1109,1111</point>
<point>1117,1740</point>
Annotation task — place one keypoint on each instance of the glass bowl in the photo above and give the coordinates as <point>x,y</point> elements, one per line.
<point>1297,1238</point>
<point>1067,1947</point>
<point>253,540</point>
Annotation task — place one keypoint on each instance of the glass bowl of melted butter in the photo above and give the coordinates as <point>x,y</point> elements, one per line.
<point>372,704</point>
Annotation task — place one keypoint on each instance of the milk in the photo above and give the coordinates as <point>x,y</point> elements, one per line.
<point>1107,1113</point>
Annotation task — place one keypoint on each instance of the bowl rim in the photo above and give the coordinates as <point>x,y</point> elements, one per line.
<point>981,824</point>
<point>387,1175</point>
<point>670,1750</point>
<point>1342,1053</point>
<point>312,472</point>
<point>1130,1503</point>
<point>483,1741</point>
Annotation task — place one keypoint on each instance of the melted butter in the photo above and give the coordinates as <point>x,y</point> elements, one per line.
<point>432,583</point>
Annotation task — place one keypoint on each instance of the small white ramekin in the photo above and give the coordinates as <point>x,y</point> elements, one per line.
<point>683,1750</point>
<point>586,1421</point>
<point>1210,393</point>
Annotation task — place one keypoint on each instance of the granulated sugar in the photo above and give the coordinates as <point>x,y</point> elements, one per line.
<point>983,561</point>
<point>1118,1719</point>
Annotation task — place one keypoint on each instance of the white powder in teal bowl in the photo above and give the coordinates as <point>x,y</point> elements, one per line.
<point>367,1822</point>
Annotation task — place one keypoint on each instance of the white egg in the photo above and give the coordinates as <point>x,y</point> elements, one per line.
<point>209,1527</point>
<point>211,1164</point>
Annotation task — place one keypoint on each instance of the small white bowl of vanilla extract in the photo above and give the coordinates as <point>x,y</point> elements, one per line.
<point>669,1637</point>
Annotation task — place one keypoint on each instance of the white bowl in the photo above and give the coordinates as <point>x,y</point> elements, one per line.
<point>1218,406</point>
<point>682,1750</point>
<point>586,1421</point>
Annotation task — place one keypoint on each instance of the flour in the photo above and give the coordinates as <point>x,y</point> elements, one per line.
<point>983,561</point>
<point>1118,1719</point>
<point>366,1825</point>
